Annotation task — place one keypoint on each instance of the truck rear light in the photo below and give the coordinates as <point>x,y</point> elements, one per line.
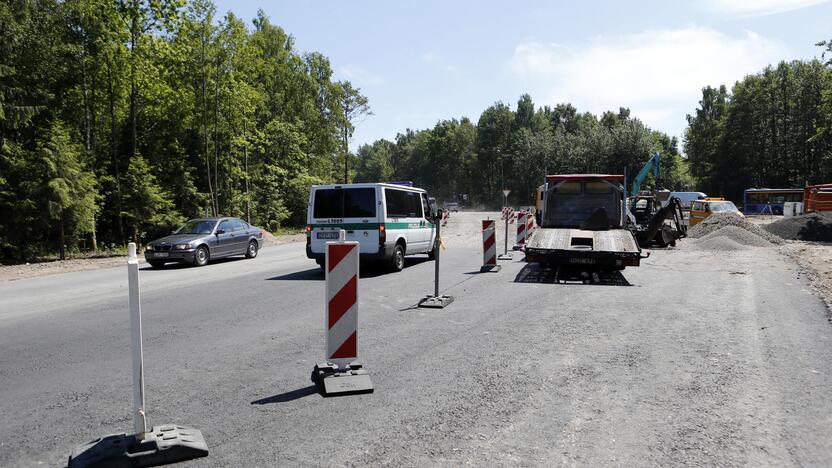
<point>632,261</point>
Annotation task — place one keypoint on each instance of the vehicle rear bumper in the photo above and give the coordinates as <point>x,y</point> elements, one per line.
<point>382,254</point>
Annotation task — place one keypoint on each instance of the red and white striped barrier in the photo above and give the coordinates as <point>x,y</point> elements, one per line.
<point>446,215</point>
<point>508,214</point>
<point>522,229</point>
<point>342,302</point>
<point>489,246</point>
<point>530,225</point>
<point>340,374</point>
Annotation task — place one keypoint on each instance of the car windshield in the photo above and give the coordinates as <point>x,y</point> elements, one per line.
<point>197,226</point>
<point>723,207</point>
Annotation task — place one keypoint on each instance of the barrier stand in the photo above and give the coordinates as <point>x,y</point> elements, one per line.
<point>489,246</point>
<point>436,301</point>
<point>522,230</point>
<point>505,255</point>
<point>341,374</point>
<point>161,445</point>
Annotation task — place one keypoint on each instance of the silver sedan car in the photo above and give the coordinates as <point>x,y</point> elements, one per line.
<point>201,240</point>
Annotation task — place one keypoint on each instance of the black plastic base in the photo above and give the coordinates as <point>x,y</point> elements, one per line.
<point>333,381</point>
<point>490,268</point>
<point>505,256</point>
<point>436,302</point>
<point>161,445</point>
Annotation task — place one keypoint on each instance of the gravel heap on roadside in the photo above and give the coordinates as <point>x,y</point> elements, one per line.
<point>720,244</point>
<point>807,227</point>
<point>720,221</point>
<point>738,235</point>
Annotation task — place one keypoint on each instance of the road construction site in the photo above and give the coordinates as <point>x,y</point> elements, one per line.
<point>715,352</point>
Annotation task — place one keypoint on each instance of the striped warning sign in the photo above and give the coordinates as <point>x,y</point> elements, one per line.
<point>342,302</point>
<point>489,243</point>
<point>530,224</point>
<point>522,226</point>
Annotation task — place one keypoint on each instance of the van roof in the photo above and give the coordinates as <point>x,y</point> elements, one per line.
<point>369,184</point>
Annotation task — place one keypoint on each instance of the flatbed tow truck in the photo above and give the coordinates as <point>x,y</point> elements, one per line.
<point>583,224</point>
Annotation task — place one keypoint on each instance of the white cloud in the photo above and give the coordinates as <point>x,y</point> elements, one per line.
<point>759,7</point>
<point>435,60</point>
<point>359,76</point>
<point>660,73</point>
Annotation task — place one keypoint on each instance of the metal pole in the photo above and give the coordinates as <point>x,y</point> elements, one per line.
<point>436,250</point>
<point>505,244</point>
<point>139,421</point>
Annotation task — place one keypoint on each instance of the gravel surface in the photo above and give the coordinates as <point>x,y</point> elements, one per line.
<point>720,244</point>
<point>698,362</point>
<point>721,220</point>
<point>807,227</point>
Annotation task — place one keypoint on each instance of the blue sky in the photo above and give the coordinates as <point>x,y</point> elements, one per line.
<point>420,62</point>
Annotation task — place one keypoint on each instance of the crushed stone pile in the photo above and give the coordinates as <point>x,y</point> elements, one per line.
<point>720,221</point>
<point>737,235</point>
<point>720,244</point>
<point>808,227</point>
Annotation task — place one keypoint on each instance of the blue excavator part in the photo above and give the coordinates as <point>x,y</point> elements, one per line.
<point>652,164</point>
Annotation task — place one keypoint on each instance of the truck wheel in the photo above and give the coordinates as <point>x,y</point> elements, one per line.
<point>397,261</point>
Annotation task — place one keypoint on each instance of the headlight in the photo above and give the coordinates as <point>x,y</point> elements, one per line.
<point>182,246</point>
<point>148,248</point>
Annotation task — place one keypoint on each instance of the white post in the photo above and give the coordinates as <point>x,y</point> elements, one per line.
<point>139,421</point>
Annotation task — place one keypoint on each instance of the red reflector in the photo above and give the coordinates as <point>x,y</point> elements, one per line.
<point>631,262</point>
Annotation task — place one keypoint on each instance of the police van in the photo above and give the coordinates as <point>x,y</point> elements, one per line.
<point>389,220</point>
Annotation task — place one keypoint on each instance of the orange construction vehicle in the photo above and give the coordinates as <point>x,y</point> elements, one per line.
<point>817,198</point>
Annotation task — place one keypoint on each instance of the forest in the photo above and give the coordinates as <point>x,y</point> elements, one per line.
<point>120,119</point>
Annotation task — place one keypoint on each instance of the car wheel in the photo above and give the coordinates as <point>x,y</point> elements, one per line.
<point>201,256</point>
<point>156,264</point>
<point>397,261</point>
<point>251,252</point>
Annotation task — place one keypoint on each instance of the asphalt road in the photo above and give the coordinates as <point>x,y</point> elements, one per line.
<point>701,359</point>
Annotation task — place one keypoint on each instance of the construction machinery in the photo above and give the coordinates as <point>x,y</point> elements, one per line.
<point>655,218</point>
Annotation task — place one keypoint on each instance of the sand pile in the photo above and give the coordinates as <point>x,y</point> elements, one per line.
<point>721,221</point>
<point>807,227</point>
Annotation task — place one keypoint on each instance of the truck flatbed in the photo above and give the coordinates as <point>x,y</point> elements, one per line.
<point>612,249</point>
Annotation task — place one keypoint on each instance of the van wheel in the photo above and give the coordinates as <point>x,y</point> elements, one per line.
<point>397,261</point>
<point>432,254</point>
<point>320,264</point>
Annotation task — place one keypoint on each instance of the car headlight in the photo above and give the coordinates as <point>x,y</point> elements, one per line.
<point>182,246</point>
<point>148,248</point>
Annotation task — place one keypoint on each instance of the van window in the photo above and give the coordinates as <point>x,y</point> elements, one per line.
<point>403,204</point>
<point>396,203</point>
<point>345,203</point>
<point>426,204</point>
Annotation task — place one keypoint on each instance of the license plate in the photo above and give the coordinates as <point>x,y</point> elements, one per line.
<point>582,261</point>
<point>160,254</point>
<point>328,235</point>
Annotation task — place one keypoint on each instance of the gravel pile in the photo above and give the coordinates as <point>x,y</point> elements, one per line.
<point>720,244</point>
<point>723,220</point>
<point>738,235</point>
<point>807,227</point>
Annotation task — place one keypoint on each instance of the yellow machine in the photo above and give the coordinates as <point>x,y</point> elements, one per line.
<point>701,209</point>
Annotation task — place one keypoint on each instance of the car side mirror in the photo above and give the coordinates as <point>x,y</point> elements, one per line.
<point>220,231</point>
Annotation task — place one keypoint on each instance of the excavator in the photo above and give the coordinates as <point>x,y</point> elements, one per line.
<point>649,212</point>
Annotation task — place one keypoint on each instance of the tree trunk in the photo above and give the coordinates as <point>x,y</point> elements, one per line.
<point>245,151</point>
<point>61,240</point>
<point>87,132</point>
<point>114,150</point>
<point>133,87</point>
<point>205,121</point>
